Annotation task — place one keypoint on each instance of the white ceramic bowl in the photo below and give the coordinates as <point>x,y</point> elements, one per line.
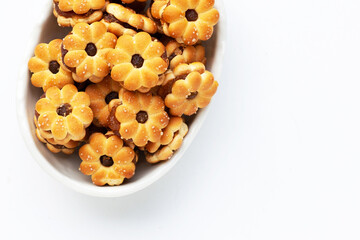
<point>65,168</point>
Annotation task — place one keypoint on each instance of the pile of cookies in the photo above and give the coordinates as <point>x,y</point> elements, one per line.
<point>123,82</point>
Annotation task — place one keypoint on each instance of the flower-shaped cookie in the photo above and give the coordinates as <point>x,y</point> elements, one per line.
<point>193,90</point>
<point>64,113</point>
<point>141,117</point>
<point>107,160</point>
<point>84,51</point>
<point>170,141</point>
<point>179,53</point>
<point>46,66</point>
<point>130,19</point>
<point>186,20</point>
<point>100,96</point>
<point>71,12</point>
<point>137,61</point>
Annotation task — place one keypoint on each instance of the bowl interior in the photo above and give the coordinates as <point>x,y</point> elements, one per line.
<point>64,167</point>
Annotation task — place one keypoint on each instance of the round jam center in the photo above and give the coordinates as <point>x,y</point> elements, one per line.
<point>192,95</point>
<point>106,161</point>
<point>111,96</point>
<point>64,110</point>
<point>54,67</point>
<point>142,117</point>
<point>137,61</point>
<point>191,15</point>
<point>91,49</point>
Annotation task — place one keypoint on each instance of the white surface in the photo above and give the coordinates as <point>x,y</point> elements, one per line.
<point>277,158</point>
<point>66,168</point>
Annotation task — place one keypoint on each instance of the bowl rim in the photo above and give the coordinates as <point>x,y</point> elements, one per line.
<point>122,190</point>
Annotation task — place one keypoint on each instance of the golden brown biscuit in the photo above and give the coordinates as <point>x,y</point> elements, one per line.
<point>193,89</point>
<point>139,117</point>
<point>71,12</point>
<point>170,141</point>
<point>64,113</point>
<point>84,51</point>
<point>47,67</point>
<point>137,61</point>
<point>107,160</point>
<point>131,19</point>
<point>187,21</point>
<point>100,96</point>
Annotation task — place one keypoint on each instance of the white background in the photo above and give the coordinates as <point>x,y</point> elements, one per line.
<point>277,158</point>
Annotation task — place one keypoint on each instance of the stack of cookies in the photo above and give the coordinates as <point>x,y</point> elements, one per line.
<point>124,81</point>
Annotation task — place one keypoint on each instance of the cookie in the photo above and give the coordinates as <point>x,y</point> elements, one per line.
<point>64,113</point>
<point>100,96</point>
<point>84,51</point>
<point>170,141</point>
<point>179,53</point>
<point>137,61</point>
<point>46,66</point>
<point>187,21</point>
<point>139,117</point>
<point>193,89</point>
<point>130,19</point>
<point>107,160</point>
<point>71,12</point>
